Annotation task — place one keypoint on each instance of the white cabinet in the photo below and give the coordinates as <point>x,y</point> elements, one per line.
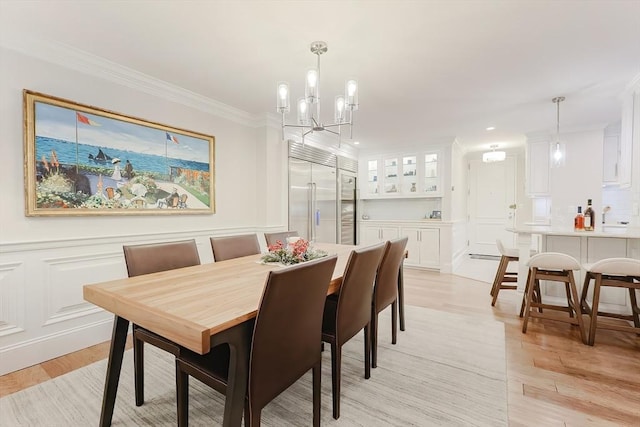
<point>610,159</point>
<point>372,234</point>
<point>423,246</point>
<point>630,112</point>
<point>402,176</point>
<point>538,168</point>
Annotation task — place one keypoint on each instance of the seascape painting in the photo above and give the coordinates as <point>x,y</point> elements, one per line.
<point>82,160</point>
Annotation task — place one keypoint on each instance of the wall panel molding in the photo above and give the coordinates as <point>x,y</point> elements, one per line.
<point>12,304</point>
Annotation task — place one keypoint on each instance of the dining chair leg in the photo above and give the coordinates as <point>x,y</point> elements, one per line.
<point>182,395</point>
<point>401,297</point>
<point>336,364</point>
<point>367,351</point>
<point>374,339</point>
<point>394,322</point>
<point>316,375</point>
<point>138,369</point>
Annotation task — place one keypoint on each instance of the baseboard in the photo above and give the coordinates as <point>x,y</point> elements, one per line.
<point>29,353</point>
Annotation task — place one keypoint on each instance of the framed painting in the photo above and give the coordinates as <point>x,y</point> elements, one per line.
<point>83,160</point>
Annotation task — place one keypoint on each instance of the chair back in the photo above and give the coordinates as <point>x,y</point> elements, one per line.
<point>386,289</point>
<point>354,302</point>
<point>234,246</point>
<point>288,329</point>
<point>154,257</point>
<point>272,238</point>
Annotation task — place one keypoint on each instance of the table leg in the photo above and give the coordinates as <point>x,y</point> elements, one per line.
<point>401,297</point>
<point>116,351</point>
<point>239,340</point>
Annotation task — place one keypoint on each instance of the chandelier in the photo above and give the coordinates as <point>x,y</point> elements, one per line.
<point>309,106</point>
<point>558,151</point>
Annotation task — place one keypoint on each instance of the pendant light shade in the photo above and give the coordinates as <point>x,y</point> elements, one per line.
<point>493,155</point>
<point>557,147</point>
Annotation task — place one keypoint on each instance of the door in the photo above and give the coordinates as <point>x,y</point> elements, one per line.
<point>324,204</point>
<point>300,197</point>
<point>347,208</point>
<point>492,203</point>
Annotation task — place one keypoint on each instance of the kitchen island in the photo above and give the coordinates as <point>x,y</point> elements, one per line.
<point>585,246</point>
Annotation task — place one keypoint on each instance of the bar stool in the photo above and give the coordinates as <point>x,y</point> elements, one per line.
<point>502,275</point>
<point>554,267</point>
<point>612,272</point>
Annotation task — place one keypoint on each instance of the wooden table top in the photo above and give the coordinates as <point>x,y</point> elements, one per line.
<point>189,305</point>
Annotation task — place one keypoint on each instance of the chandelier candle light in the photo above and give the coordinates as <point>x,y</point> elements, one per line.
<point>309,106</point>
<point>558,153</point>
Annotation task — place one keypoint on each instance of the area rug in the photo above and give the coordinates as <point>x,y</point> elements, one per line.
<point>446,369</point>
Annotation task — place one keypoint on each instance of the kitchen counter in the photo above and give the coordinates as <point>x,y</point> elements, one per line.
<point>585,246</point>
<point>615,231</point>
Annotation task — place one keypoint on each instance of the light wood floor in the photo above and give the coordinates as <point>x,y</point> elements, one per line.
<point>553,379</point>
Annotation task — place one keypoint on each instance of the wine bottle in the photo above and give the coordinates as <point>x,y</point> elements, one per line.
<point>589,217</point>
<point>578,222</point>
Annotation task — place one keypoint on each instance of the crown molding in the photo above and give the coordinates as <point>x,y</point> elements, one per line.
<point>84,62</point>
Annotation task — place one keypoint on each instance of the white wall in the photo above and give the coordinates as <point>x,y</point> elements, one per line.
<point>45,261</point>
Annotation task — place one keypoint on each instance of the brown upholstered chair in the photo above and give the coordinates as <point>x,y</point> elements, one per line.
<point>146,259</point>
<point>385,292</point>
<point>272,238</point>
<point>285,343</point>
<point>234,246</point>
<point>350,311</point>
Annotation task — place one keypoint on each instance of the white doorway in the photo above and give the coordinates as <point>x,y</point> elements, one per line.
<point>492,204</point>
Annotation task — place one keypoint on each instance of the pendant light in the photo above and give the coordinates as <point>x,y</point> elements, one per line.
<point>558,148</point>
<point>493,155</point>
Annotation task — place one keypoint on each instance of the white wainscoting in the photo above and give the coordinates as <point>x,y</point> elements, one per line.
<point>42,312</point>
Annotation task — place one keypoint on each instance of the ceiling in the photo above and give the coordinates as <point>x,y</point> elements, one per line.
<point>427,69</point>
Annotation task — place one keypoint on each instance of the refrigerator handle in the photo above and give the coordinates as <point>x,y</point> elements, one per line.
<point>315,213</point>
<point>309,210</point>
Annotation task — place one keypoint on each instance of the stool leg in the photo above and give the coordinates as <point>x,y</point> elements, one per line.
<point>574,305</point>
<point>524,295</point>
<point>537,295</point>
<point>502,270</point>
<point>635,311</point>
<point>594,309</point>
<point>584,305</point>
<point>497,281</point>
<point>568,292</point>
<point>529,295</point>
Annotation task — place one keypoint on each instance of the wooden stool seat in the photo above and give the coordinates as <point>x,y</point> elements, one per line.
<point>502,275</point>
<point>553,267</point>
<point>612,272</point>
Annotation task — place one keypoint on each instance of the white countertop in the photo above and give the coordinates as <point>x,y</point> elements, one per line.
<point>616,232</point>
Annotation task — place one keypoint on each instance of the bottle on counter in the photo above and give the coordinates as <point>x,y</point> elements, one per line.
<point>589,217</point>
<point>578,221</point>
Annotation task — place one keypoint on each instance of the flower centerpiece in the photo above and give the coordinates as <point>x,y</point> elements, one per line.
<point>292,253</point>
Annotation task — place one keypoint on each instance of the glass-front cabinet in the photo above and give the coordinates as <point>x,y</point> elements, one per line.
<point>403,176</point>
<point>431,183</point>
<point>391,179</point>
<point>372,177</point>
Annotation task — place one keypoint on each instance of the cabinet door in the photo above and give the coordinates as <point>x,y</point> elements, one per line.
<point>391,182</point>
<point>409,176</point>
<point>429,247</point>
<point>373,178</point>
<point>610,156</point>
<point>431,179</point>
<point>369,235</point>
<point>413,245</point>
<point>538,168</point>
<point>630,109</point>
<point>389,233</point>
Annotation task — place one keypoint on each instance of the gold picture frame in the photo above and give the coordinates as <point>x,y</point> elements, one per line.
<point>84,160</point>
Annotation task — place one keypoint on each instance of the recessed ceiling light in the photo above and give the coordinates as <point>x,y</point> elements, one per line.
<point>356,142</point>
<point>491,128</point>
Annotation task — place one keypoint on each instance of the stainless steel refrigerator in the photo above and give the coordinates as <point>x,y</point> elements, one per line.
<point>347,207</point>
<point>312,200</point>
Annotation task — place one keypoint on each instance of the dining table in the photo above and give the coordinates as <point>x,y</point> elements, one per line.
<point>198,308</point>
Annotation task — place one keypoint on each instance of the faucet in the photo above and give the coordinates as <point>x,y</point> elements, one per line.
<point>604,213</point>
